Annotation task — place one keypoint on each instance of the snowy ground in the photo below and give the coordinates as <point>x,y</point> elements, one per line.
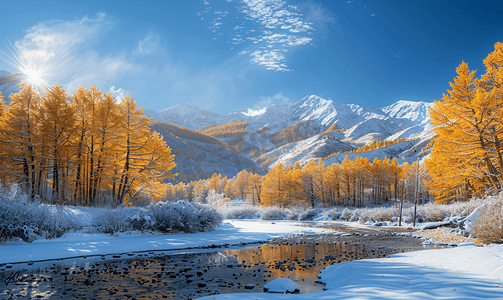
<point>80,244</point>
<point>464,272</point>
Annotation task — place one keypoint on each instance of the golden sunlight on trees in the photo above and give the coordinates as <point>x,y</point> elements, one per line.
<point>372,146</point>
<point>86,151</point>
<point>355,183</point>
<point>466,158</point>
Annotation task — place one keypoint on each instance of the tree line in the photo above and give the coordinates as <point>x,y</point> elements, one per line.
<point>86,149</point>
<point>354,183</point>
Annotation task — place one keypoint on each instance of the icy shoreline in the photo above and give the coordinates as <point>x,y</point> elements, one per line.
<point>84,244</point>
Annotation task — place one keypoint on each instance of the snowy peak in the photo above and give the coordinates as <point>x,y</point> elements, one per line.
<point>189,116</point>
<point>314,108</point>
<point>417,112</point>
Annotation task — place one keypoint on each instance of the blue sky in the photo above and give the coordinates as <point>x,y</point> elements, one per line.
<point>230,55</point>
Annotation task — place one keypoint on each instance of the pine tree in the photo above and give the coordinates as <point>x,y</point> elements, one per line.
<point>255,188</point>
<point>241,184</point>
<point>274,186</point>
<point>333,182</point>
<point>144,155</point>
<point>21,153</point>
<point>215,183</point>
<point>57,121</point>
<point>466,156</point>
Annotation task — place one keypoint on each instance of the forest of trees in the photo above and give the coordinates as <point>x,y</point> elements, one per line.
<point>91,149</point>
<point>86,149</point>
<point>232,129</point>
<point>354,183</point>
<point>372,146</point>
<point>466,157</point>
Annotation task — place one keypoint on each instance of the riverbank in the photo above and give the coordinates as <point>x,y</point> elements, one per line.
<point>186,274</point>
<point>463,272</point>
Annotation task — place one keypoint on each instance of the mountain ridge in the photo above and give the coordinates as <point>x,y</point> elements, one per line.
<point>313,127</point>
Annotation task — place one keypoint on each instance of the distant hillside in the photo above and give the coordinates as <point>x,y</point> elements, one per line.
<point>198,156</point>
<point>227,130</point>
<point>294,133</point>
<point>186,133</point>
<point>9,84</point>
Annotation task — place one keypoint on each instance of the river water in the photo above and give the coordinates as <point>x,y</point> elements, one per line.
<point>191,275</point>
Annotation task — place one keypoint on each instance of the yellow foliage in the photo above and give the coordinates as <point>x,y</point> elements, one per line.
<point>73,152</point>
<point>232,129</point>
<point>372,146</point>
<point>466,158</point>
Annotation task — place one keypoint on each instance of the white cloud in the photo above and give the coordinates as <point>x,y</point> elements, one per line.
<point>59,38</point>
<point>268,101</point>
<point>268,24</point>
<point>71,50</point>
<point>149,45</point>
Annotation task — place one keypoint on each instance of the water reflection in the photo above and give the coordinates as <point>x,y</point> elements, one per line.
<point>180,276</point>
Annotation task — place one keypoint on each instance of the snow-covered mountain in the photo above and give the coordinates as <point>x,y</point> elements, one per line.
<point>313,127</point>
<point>9,83</point>
<point>414,111</point>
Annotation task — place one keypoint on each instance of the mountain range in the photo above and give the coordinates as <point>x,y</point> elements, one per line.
<point>205,142</point>
<point>312,127</point>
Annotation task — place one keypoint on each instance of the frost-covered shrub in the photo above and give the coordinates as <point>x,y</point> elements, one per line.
<point>301,213</point>
<point>184,216</point>
<point>219,201</point>
<point>180,216</point>
<point>346,214</point>
<point>53,223</point>
<point>242,212</point>
<point>274,213</point>
<point>377,214</point>
<point>123,219</point>
<point>488,225</point>
<point>355,217</point>
<point>30,220</point>
<point>332,214</point>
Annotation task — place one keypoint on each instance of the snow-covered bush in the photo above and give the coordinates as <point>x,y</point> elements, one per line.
<point>30,220</point>
<point>123,219</point>
<point>184,216</point>
<point>488,225</point>
<point>332,214</point>
<point>301,213</point>
<point>377,214</point>
<point>274,213</point>
<point>346,214</point>
<point>53,223</point>
<point>219,201</point>
<point>180,216</point>
<point>242,212</point>
<point>355,217</point>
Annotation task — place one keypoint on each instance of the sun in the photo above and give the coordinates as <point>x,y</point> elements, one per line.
<point>32,70</point>
<point>34,77</point>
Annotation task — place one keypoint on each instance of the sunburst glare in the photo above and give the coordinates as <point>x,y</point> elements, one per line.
<point>31,70</point>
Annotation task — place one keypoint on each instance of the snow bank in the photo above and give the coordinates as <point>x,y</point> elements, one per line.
<point>281,285</point>
<point>79,244</point>
<point>467,272</point>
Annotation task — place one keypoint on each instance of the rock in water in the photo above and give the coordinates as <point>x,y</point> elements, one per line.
<point>281,285</point>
